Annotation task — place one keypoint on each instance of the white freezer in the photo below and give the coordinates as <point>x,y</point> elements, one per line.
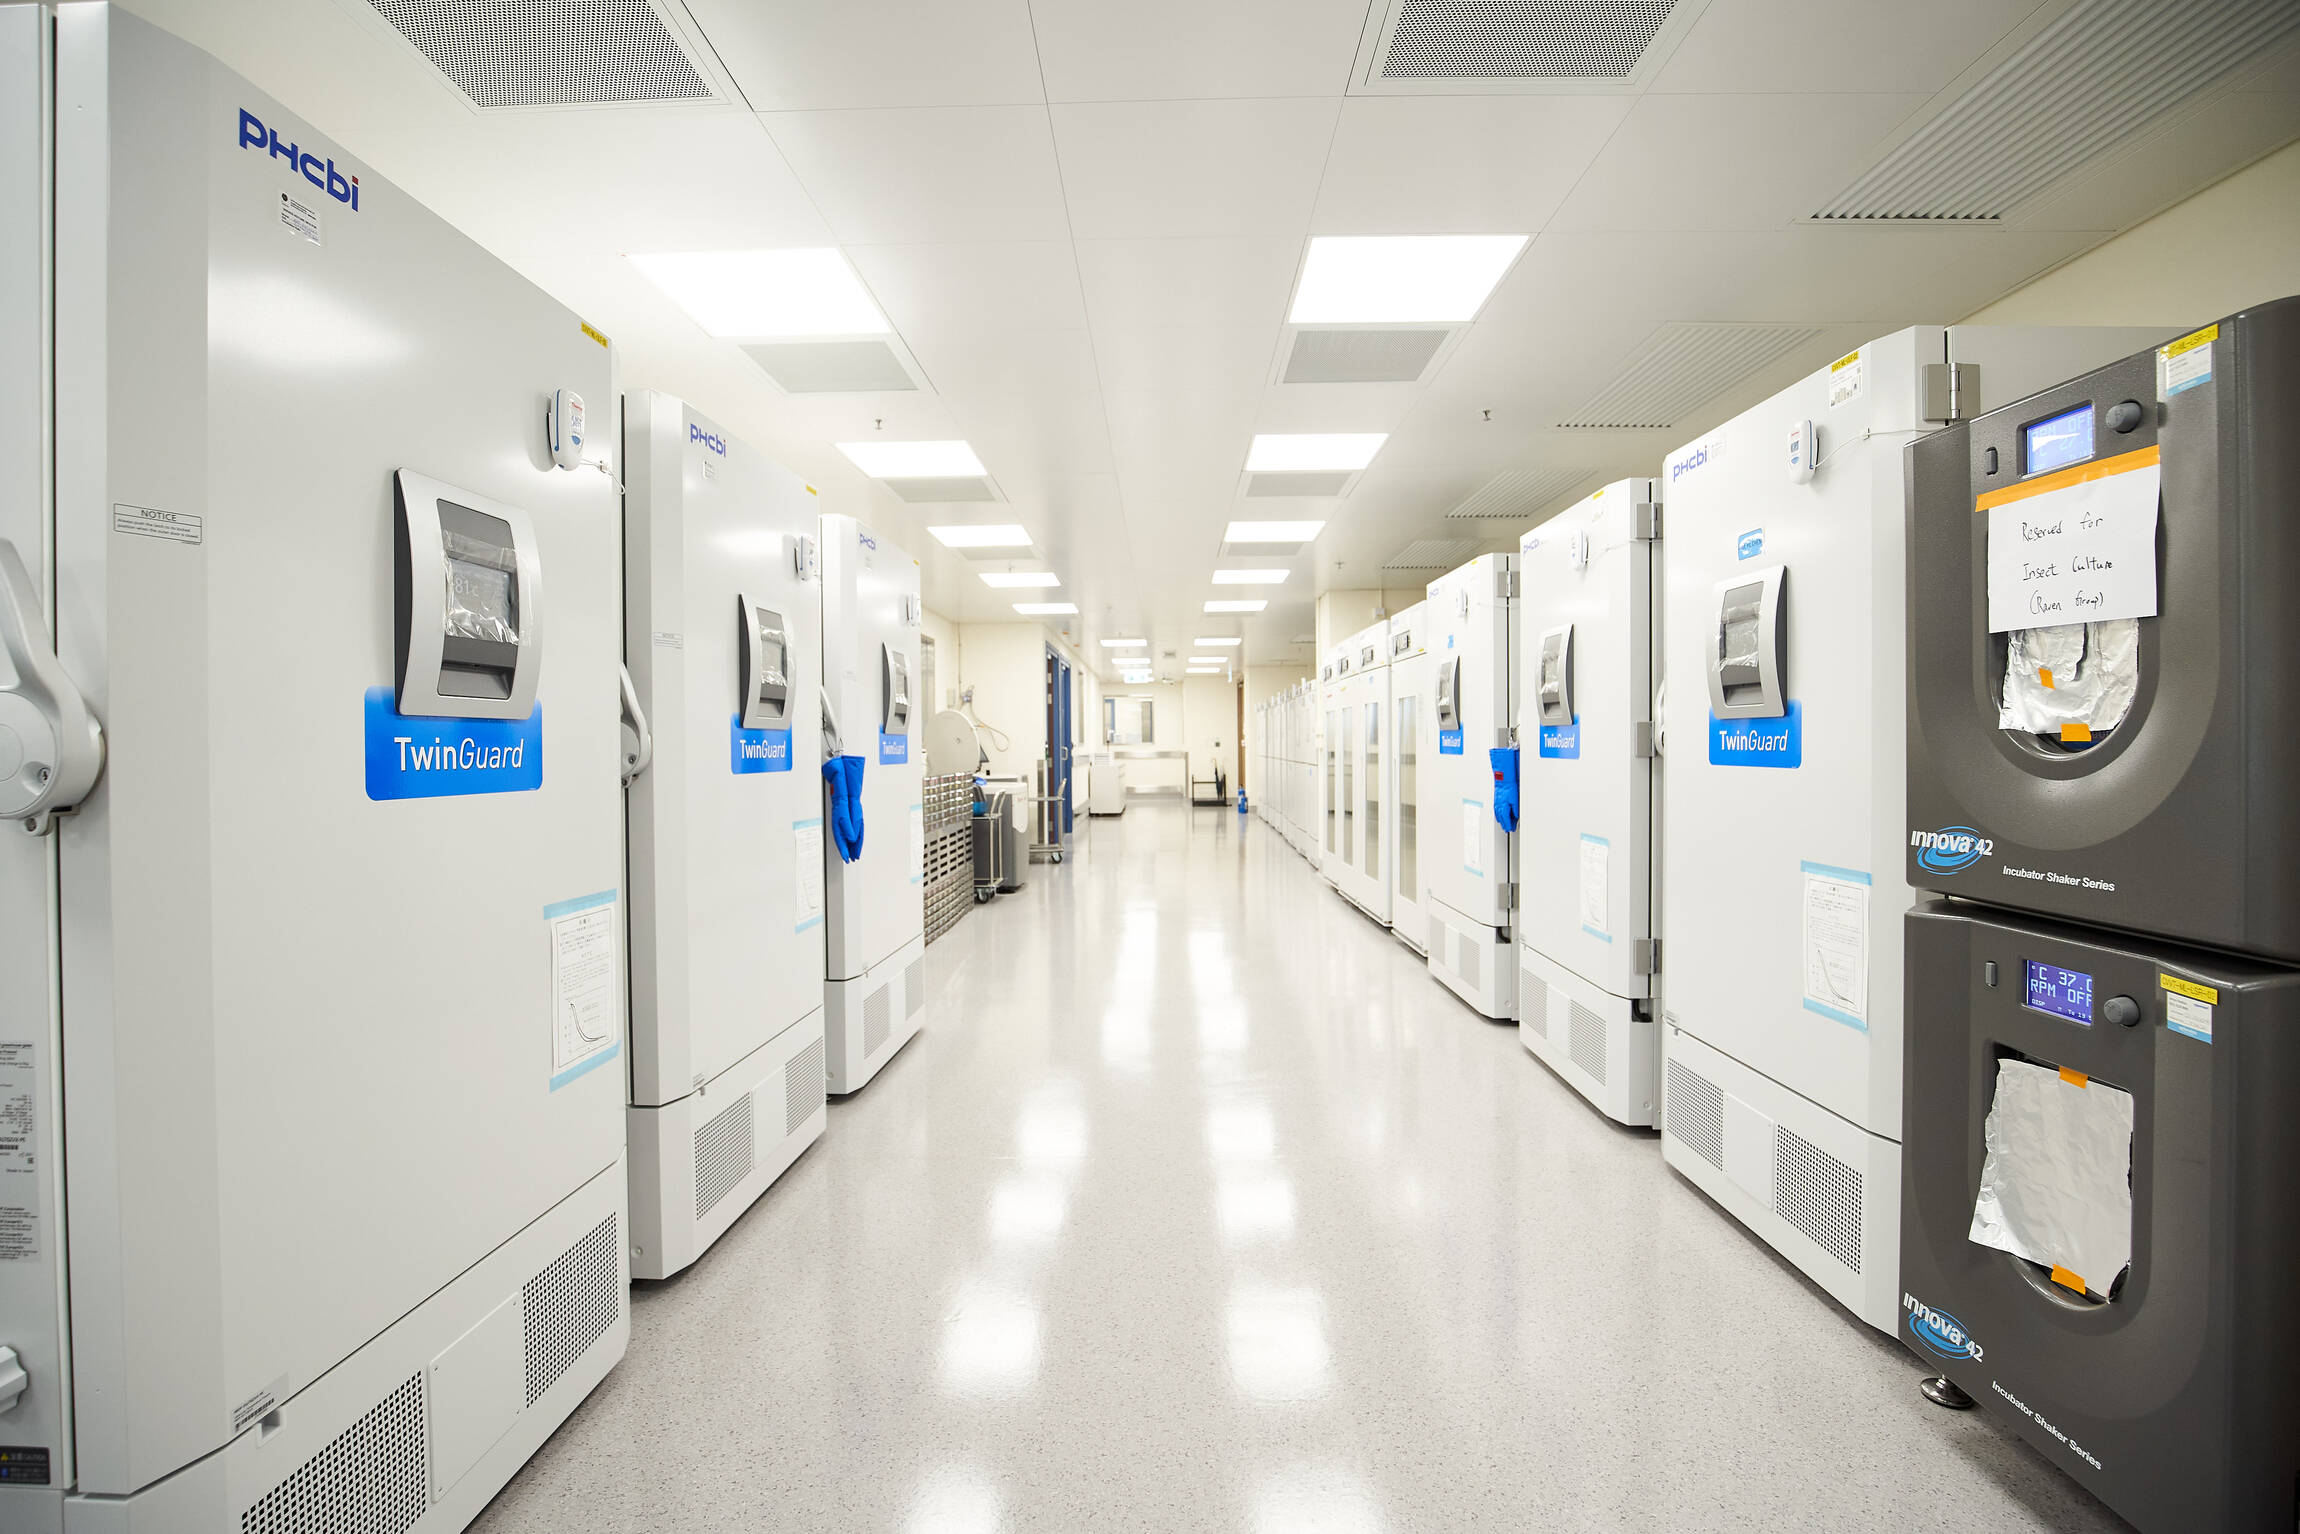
<point>1362,871</point>
<point>1409,705</point>
<point>1468,858</point>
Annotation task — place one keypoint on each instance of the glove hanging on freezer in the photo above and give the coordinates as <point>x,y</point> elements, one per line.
<point>842,781</point>
<point>1504,759</point>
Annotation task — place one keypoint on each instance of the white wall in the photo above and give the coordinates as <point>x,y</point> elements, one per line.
<point>1210,726</point>
<point>1005,664</point>
<point>944,633</point>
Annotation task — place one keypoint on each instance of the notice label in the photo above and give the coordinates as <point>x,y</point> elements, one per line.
<point>19,1155</point>
<point>151,522</point>
<point>1596,891</point>
<point>586,1031</point>
<point>2076,546</point>
<point>1844,379</point>
<point>2185,363</point>
<point>1835,929</point>
<point>299,218</point>
<point>2186,1015</point>
<point>807,855</point>
<point>1473,817</point>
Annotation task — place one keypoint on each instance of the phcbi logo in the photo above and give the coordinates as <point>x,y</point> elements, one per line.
<point>320,173</point>
<point>1938,1332</point>
<point>1953,849</point>
<point>711,440</point>
<point>1714,448</point>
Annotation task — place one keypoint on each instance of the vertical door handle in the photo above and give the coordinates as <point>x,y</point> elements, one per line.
<point>51,748</point>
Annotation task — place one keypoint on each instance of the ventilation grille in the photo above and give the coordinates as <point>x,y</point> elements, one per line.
<point>1322,482</point>
<point>1521,39</point>
<point>526,53</point>
<point>1697,1114</point>
<point>570,1305</point>
<point>804,1087</point>
<point>875,1021</point>
<point>1469,960</point>
<point>1684,365</point>
<point>1533,1002</point>
<point>1431,554</point>
<point>1518,494</point>
<point>970,487</point>
<point>726,1148</point>
<point>1818,1194</point>
<point>1585,1042</point>
<point>2096,75</point>
<point>832,367</point>
<point>373,1478</point>
<point>913,988</point>
<point>1361,356</point>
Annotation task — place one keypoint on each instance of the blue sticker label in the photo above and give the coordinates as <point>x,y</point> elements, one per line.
<point>1778,742</point>
<point>893,748</point>
<point>1561,741</point>
<point>441,758</point>
<point>1449,742</point>
<point>1750,544</point>
<point>757,750</point>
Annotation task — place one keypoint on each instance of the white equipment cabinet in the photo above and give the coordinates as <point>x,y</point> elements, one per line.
<point>722,624</point>
<point>1784,790</point>
<point>1364,695</point>
<point>1338,781</point>
<point>1409,706</point>
<point>1470,860</point>
<point>875,985</point>
<point>1587,612</point>
<point>333,944</point>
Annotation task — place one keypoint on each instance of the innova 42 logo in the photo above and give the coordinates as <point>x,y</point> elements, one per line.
<point>711,440</point>
<point>319,172</point>
<point>1952,849</point>
<point>1938,1332</point>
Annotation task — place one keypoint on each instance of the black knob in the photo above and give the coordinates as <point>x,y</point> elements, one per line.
<point>2124,416</point>
<point>2122,1011</point>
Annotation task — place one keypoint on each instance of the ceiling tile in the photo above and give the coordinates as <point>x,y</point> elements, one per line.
<point>1867,45</point>
<point>798,54</point>
<point>974,289</point>
<point>1459,164</point>
<point>1158,168</point>
<point>1210,283</point>
<point>1107,50</point>
<point>928,175</point>
<point>2168,163</point>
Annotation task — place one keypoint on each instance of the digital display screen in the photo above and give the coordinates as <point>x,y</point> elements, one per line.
<point>2058,441</point>
<point>2065,993</point>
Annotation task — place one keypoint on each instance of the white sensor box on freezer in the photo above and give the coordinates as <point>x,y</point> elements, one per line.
<point>1588,613</point>
<point>1469,860</point>
<point>875,985</point>
<point>723,625</point>
<point>1783,790</point>
<point>1409,703</point>
<point>328,1211</point>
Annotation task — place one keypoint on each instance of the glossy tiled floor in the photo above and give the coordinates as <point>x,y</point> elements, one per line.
<point>1198,1206</point>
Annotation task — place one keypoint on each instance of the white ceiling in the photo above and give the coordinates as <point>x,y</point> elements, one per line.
<point>1085,219</point>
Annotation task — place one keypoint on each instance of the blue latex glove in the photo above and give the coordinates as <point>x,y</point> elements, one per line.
<point>842,783</point>
<point>1504,760</point>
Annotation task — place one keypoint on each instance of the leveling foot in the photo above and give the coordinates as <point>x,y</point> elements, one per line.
<point>1943,1391</point>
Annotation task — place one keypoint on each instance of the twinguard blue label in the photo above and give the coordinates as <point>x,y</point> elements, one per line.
<point>1758,742</point>
<point>757,750</point>
<point>1561,741</point>
<point>1449,742</point>
<point>442,758</point>
<point>893,748</point>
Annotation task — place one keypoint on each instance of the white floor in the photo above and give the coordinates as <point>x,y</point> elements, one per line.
<point>1198,1206</point>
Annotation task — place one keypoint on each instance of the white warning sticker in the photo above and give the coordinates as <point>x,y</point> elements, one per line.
<point>299,218</point>
<point>19,1174</point>
<point>586,1028</point>
<point>807,863</point>
<point>151,522</point>
<point>1844,379</point>
<point>2187,1015</point>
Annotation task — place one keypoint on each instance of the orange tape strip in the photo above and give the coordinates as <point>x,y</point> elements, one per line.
<point>2066,1279</point>
<point>2074,1078</point>
<point>2061,479</point>
<point>2072,731</point>
<point>2044,675</point>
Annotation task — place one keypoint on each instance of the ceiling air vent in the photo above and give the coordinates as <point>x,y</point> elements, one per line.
<point>1431,554</point>
<point>509,54</point>
<point>2096,75</point>
<point>1361,355</point>
<point>832,367</point>
<point>966,487</point>
<point>1319,482</point>
<point>1437,46</point>
<point>1682,365</point>
<point>1516,494</point>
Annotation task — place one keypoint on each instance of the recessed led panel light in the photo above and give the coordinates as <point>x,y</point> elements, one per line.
<point>1004,535</point>
<point>1124,644</point>
<point>1249,577</point>
<point>767,293</point>
<point>1022,578</point>
<point>1272,532</point>
<point>1203,640</point>
<point>1296,452</point>
<point>1204,670</point>
<point>1209,660</point>
<point>1236,607</point>
<point>1391,279</point>
<point>913,460</point>
<point>1044,609</point>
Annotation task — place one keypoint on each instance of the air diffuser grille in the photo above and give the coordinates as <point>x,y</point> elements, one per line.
<point>549,53</point>
<point>1683,365</point>
<point>2098,73</point>
<point>1533,1002</point>
<point>1516,494</point>
<point>726,1149</point>
<point>570,1305</point>
<point>832,367</point>
<point>372,1478</point>
<point>1521,39</point>
<point>803,1087</point>
<point>1323,482</point>
<point>932,491</point>
<point>1361,356</point>
<point>1818,1194</point>
<point>1430,554</point>
<point>1697,1114</point>
<point>875,1009</point>
<point>1586,1042</point>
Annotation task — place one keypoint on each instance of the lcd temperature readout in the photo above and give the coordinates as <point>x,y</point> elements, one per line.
<point>2065,993</point>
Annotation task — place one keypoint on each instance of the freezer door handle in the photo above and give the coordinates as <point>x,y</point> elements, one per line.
<point>51,748</point>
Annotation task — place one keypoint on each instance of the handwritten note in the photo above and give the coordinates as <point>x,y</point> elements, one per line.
<point>2074,547</point>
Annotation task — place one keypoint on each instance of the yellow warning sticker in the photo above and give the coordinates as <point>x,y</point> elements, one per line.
<point>2180,987</point>
<point>2189,343</point>
<point>1844,379</point>
<point>593,334</point>
<point>1844,362</point>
